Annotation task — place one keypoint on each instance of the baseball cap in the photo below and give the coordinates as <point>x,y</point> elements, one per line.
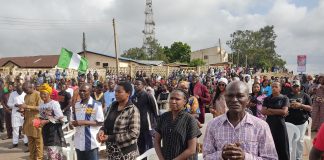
<point>296,83</point>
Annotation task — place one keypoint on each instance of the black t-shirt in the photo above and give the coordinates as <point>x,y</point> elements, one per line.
<point>299,116</point>
<point>277,102</point>
<point>64,98</point>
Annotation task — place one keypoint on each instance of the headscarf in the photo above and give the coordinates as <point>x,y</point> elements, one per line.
<point>224,80</point>
<point>45,88</point>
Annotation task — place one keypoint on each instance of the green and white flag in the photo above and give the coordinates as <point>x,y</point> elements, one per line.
<point>72,61</point>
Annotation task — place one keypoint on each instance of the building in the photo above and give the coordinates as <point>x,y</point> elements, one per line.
<point>212,56</point>
<point>96,61</point>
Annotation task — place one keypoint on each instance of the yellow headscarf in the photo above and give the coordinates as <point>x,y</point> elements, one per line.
<point>45,88</point>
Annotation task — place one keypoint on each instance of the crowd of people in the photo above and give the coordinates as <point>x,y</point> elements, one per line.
<point>131,115</point>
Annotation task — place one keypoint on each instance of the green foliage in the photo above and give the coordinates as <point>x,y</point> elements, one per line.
<point>135,53</point>
<point>258,47</point>
<point>178,51</point>
<point>197,62</point>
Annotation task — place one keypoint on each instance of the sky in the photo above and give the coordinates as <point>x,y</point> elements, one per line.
<point>38,27</point>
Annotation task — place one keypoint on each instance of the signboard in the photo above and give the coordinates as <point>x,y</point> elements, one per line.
<point>301,63</point>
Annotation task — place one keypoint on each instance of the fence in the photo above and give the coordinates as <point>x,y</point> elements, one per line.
<point>163,71</point>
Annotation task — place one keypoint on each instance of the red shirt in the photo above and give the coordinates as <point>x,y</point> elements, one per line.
<point>318,142</point>
<point>54,95</point>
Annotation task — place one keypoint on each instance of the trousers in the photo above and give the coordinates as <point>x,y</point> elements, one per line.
<point>87,155</point>
<point>300,143</point>
<point>15,135</point>
<point>35,145</point>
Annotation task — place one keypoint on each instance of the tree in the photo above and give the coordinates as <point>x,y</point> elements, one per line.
<point>258,47</point>
<point>197,62</point>
<point>135,53</point>
<point>178,52</point>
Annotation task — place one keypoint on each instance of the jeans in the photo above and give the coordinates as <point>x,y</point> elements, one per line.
<point>87,155</point>
<point>300,142</point>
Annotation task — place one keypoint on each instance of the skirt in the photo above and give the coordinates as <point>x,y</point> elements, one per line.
<point>53,153</point>
<point>115,153</point>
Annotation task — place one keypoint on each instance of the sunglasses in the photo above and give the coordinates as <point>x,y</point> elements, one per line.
<point>221,84</point>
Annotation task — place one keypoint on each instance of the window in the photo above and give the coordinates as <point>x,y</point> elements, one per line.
<point>205,57</point>
<point>104,65</point>
<point>97,63</point>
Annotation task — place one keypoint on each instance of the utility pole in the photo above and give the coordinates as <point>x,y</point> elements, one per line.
<point>245,61</point>
<point>84,47</point>
<point>220,50</point>
<point>116,50</point>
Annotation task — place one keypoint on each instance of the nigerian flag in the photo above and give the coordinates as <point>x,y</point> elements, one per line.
<point>72,61</point>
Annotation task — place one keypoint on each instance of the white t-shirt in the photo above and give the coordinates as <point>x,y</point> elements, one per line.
<point>81,142</point>
<point>52,108</point>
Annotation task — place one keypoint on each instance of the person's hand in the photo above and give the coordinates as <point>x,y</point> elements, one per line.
<point>101,137</point>
<point>233,152</point>
<point>22,106</point>
<point>297,105</point>
<point>43,122</point>
<point>8,110</point>
<point>75,123</point>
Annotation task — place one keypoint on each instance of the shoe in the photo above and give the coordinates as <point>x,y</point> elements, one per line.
<point>6,138</point>
<point>26,144</point>
<point>13,146</point>
<point>26,151</point>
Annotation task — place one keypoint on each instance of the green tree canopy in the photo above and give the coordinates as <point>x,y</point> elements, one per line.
<point>135,53</point>
<point>178,52</point>
<point>257,47</point>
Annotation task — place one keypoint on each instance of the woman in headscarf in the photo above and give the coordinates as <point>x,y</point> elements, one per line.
<point>218,105</point>
<point>51,122</point>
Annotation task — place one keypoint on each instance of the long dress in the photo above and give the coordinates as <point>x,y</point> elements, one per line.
<point>53,136</point>
<point>278,126</point>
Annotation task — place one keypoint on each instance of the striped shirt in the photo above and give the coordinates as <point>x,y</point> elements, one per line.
<point>253,134</point>
<point>85,136</point>
<point>176,133</point>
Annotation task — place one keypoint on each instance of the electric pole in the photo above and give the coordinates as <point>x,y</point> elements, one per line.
<point>116,50</point>
<point>84,47</point>
<point>220,50</point>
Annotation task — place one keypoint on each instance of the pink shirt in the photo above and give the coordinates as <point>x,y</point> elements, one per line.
<point>253,134</point>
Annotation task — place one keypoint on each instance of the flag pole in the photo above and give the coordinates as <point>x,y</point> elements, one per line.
<point>116,50</point>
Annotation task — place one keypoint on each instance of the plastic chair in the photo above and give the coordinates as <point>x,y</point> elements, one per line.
<point>102,147</point>
<point>69,151</point>
<point>308,136</point>
<point>200,156</point>
<point>208,117</point>
<point>293,136</point>
<point>203,131</point>
<point>147,154</point>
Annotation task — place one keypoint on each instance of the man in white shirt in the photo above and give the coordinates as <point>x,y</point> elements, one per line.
<point>17,120</point>
<point>88,119</point>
